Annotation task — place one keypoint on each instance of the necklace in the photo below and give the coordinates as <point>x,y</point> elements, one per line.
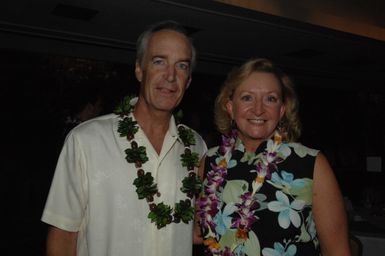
<point>160,213</point>
<point>210,203</point>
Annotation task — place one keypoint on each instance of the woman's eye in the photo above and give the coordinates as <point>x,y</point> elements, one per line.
<point>271,99</point>
<point>246,98</point>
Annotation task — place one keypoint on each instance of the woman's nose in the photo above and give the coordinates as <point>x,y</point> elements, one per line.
<point>258,107</point>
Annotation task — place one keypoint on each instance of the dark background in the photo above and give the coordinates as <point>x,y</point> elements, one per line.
<point>37,89</point>
<point>55,55</point>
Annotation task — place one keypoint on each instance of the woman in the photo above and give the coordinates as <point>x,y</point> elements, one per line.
<point>265,194</point>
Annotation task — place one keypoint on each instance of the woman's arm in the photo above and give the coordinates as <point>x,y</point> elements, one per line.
<point>329,211</point>
<point>61,242</point>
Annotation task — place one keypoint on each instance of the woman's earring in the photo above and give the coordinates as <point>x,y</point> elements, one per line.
<point>233,125</point>
<point>280,126</point>
<point>280,133</point>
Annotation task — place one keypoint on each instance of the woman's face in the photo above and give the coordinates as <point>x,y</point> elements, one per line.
<point>256,107</point>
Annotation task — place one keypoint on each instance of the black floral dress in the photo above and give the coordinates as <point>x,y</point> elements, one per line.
<point>259,203</point>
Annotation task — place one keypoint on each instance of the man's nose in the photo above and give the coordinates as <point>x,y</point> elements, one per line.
<point>170,73</point>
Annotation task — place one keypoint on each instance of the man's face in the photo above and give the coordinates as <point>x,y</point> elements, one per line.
<point>165,70</point>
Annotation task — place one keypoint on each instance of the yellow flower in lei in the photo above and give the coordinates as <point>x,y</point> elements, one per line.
<point>211,243</point>
<point>242,233</point>
<point>222,163</point>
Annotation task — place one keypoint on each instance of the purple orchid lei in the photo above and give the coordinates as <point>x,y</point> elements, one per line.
<point>209,203</point>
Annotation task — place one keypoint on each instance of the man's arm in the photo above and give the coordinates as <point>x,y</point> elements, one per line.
<point>61,242</point>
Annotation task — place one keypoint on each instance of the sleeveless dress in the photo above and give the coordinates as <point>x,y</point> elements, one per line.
<point>282,220</point>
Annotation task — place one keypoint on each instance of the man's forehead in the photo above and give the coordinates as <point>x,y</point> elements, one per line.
<point>166,42</point>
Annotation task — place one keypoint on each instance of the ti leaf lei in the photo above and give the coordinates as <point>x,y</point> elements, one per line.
<point>161,214</point>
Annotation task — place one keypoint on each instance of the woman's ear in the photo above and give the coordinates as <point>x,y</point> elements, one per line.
<point>229,109</point>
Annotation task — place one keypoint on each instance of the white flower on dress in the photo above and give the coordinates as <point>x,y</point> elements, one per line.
<point>288,212</point>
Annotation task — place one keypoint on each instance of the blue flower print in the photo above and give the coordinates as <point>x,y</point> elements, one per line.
<point>287,211</point>
<point>223,219</point>
<point>261,200</point>
<point>279,250</point>
<point>283,150</point>
<point>287,181</point>
<point>310,226</point>
<point>239,145</point>
<point>230,164</point>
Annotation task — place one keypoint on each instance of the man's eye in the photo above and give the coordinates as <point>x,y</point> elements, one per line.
<point>183,66</point>
<point>158,61</point>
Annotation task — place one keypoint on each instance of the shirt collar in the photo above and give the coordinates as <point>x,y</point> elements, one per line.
<point>172,127</point>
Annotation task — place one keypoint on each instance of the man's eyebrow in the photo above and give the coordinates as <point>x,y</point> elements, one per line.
<point>158,56</point>
<point>165,57</point>
<point>185,60</point>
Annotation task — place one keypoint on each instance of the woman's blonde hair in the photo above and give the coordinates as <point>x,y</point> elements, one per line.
<point>289,123</point>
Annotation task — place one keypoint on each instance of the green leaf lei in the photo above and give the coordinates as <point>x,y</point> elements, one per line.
<point>161,214</point>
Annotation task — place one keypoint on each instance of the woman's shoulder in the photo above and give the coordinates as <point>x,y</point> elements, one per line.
<point>302,150</point>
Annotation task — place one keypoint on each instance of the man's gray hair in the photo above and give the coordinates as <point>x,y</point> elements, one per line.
<point>142,42</point>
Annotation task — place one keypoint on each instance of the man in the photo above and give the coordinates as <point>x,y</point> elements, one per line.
<point>118,187</point>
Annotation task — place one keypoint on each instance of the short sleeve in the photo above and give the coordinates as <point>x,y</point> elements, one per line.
<point>67,199</point>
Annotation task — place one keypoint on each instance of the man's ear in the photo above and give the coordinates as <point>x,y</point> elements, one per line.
<point>138,72</point>
<point>189,82</point>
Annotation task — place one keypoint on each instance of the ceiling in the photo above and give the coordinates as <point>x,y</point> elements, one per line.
<point>321,43</point>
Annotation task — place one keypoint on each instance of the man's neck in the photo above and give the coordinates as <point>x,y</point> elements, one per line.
<point>155,124</point>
